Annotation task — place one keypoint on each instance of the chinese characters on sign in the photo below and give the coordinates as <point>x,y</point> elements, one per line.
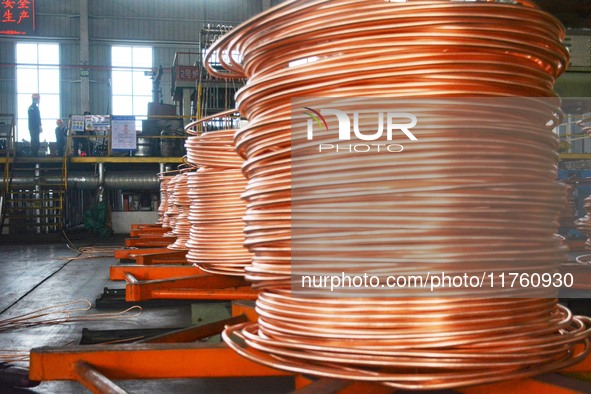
<point>17,17</point>
<point>187,73</point>
<point>123,135</point>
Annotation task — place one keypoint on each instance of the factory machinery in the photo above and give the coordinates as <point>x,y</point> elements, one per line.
<point>449,201</point>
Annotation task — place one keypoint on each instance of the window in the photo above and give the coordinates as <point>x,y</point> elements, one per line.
<point>131,87</point>
<point>37,71</point>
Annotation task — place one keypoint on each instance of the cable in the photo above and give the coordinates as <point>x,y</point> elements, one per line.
<point>61,313</point>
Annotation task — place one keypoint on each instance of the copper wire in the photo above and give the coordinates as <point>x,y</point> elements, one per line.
<point>162,208</point>
<point>171,211</point>
<point>450,200</point>
<point>216,243</point>
<point>181,227</point>
<point>63,313</point>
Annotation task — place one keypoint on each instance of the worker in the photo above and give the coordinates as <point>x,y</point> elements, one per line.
<point>61,134</point>
<point>35,124</point>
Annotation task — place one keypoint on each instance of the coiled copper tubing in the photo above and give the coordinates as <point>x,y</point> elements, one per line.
<point>216,243</point>
<point>460,198</point>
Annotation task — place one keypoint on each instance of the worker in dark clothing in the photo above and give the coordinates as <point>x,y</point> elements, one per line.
<point>35,124</point>
<point>61,134</point>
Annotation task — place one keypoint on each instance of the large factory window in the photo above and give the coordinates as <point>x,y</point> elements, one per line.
<point>131,83</point>
<point>37,71</point>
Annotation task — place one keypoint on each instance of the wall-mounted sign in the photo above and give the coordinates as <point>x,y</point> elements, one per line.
<point>123,136</point>
<point>187,73</point>
<point>17,17</point>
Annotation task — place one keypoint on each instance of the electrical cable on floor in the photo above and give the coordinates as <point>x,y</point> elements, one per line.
<point>89,252</point>
<point>61,314</point>
<point>449,201</point>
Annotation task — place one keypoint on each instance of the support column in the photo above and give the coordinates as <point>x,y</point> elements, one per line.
<point>187,105</point>
<point>84,58</point>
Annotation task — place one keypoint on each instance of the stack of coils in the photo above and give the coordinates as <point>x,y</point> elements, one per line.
<point>477,187</point>
<point>182,226</point>
<point>216,242</point>
<point>584,224</point>
<point>171,211</point>
<point>162,208</point>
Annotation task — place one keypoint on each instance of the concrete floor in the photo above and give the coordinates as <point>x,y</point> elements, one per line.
<point>34,276</point>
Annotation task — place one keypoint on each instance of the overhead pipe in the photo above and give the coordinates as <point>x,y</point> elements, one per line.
<point>87,180</point>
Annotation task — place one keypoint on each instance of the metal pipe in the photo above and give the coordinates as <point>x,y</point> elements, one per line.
<point>86,180</point>
<point>101,174</point>
<point>94,380</point>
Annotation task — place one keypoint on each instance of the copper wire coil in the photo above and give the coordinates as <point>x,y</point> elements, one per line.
<point>164,179</point>
<point>181,226</point>
<point>168,186</point>
<point>216,209</point>
<point>451,204</point>
<point>213,149</point>
<point>477,342</point>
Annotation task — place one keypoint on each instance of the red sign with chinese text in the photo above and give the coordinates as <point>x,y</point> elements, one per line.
<point>17,17</point>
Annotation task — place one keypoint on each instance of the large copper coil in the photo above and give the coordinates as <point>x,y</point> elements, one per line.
<point>483,194</point>
<point>216,241</point>
<point>387,50</point>
<point>412,343</point>
<point>214,149</point>
<point>182,226</point>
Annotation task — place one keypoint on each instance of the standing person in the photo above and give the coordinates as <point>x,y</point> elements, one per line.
<point>61,134</point>
<point>35,124</point>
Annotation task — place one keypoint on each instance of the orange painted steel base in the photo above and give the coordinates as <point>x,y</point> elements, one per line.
<point>137,226</point>
<point>131,253</point>
<point>198,287</point>
<point>150,230</point>
<point>156,358</point>
<point>171,257</point>
<point>154,241</point>
<point>146,256</point>
<point>150,272</point>
<point>145,361</point>
<point>95,365</point>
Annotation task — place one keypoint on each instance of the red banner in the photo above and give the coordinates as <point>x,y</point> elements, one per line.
<point>17,17</point>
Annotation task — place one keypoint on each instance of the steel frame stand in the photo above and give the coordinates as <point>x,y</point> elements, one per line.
<point>171,355</point>
<point>161,273</point>
<point>176,355</point>
<point>166,356</point>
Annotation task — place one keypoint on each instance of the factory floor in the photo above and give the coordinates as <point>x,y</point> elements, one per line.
<point>38,275</point>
